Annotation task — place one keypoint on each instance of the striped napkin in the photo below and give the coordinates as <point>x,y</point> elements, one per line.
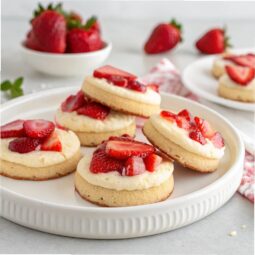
<point>166,75</point>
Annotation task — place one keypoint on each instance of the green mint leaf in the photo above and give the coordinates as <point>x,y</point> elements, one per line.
<point>18,82</point>
<point>5,85</point>
<point>16,92</point>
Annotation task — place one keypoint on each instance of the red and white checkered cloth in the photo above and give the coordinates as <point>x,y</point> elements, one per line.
<point>168,78</point>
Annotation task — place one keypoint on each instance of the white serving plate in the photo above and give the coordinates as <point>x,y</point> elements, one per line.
<point>198,79</point>
<point>53,206</point>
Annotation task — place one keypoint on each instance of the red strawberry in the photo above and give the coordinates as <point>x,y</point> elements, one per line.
<point>75,16</point>
<point>240,75</point>
<point>134,166</point>
<point>80,40</point>
<point>124,137</point>
<point>152,161</point>
<point>217,140</point>
<point>247,60</point>
<point>94,110</point>
<point>137,86</point>
<point>197,136</point>
<point>168,115</point>
<point>164,37</point>
<point>49,29</point>
<point>93,24</point>
<point>212,42</point>
<point>154,87</point>
<point>31,42</point>
<point>119,81</point>
<point>204,127</point>
<point>24,144</point>
<point>73,102</point>
<point>52,143</point>
<point>125,149</point>
<point>182,122</point>
<point>102,163</point>
<point>12,129</point>
<point>38,128</point>
<point>109,72</point>
<point>186,114</point>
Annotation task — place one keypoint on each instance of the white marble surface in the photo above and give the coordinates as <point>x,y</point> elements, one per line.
<point>209,236</point>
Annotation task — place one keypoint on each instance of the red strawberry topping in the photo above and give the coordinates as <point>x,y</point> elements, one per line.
<point>168,115</point>
<point>152,161</point>
<point>186,114</point>
<point>24,144</point>
<point>247,60</point>
<point>240,75</point>
<point>134,166</point>
<point>73,102</point>
<point>102,163</point>
<point>124,137</point>
<point>12,129</point>
<point>125,149</point>
<point>94,110</point>
<point>154,87</point>
<point>217,140</point>
<point>204,127</point>
<point>182,122</point>
<point>38,128</point>
<point>197,136</point>
<point>52,143</point>
<point>137,86</point>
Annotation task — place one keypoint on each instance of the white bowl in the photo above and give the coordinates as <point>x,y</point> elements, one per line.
<point>68,64</point>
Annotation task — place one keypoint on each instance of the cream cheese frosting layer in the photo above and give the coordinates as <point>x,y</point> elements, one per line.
<point>180,137</point>
<point>149,97</point>
<point>113,180</point>
<point>81,123</point>
<point>70,146</point>
<point>226,81</point>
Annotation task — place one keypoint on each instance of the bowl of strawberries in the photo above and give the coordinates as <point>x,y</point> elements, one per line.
<point>61,43</point>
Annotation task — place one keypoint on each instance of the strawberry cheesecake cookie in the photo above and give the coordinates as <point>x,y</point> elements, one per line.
<point>238,84</point>
<point>244,60</point>
<point>189,140</point>
<point>37,150</point>
<point>93,122</point>
<point>124,172</point>
<point>121,91</point>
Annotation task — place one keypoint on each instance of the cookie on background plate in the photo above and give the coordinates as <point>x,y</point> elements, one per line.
<point>121,91</point>
<point>37,150</point>
<point>189,140</point>
<point>124,172</point>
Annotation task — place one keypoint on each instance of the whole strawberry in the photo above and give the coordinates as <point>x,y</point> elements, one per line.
<point>164,37</point>
<point>84,38</point>
<point>213,42</point>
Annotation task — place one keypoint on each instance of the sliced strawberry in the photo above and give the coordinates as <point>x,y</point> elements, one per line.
<point>152,161</point>
<point>108,72</point>
<point>119,81</point>
<point>197,136</point>
<point>125,149</point>
<point>240,75</point>
<point>94,110</point>
<point>182,122</point>
<point>204,127</point>
<point>73,102</point>
<point>12,129</point>
<point>137,86</point>
<point>134,166</point>
<point>168,115</point>
<point>124,137</point>
<point>154,87</point>
<point>38,128</point>
<point>247,60</point>
<point>52,143</point>
<point>217,140</point>
<point>24,144</point>
<point>186,114</point>
<point>102,163</point>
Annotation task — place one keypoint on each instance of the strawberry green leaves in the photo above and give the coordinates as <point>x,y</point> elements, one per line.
<point>12,89</point>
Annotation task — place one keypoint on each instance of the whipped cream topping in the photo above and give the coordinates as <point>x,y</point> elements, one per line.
<point>82,123</point>
<point>226,81</point>
<point>180,136</point>
<point>70,146</point>
<point>114,180</point>
<point>149,97</point>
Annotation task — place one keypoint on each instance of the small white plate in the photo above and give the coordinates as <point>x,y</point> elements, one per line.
<point>198,79</point>
<point>53,206</point>
<point>67,64</point>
